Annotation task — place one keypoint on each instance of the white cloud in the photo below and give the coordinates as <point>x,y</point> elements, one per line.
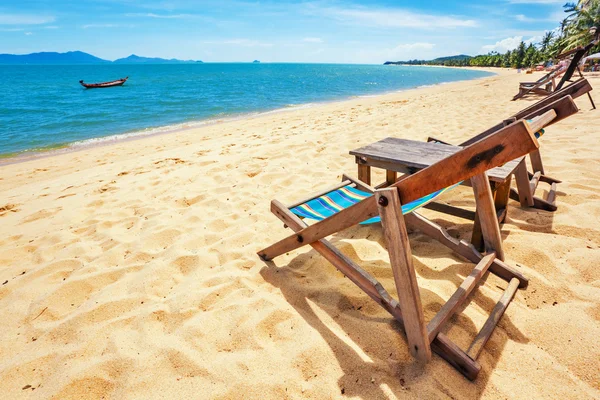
<point>511,43</point>
<point>28,33</point>
<point>312,40</point>
<point>396,18</point>
<point>523,18</point>
<point>25,19</point>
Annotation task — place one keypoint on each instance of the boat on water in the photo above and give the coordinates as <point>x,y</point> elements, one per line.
<point>118,82</point>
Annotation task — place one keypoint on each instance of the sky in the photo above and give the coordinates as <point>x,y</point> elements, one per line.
<point>339,31</point>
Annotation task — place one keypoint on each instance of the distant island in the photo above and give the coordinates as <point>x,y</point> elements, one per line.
<point>79,57</point>
<point>459,60</point>
<point>255,62</point>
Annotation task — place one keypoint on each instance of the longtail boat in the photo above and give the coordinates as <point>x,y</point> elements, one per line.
<point>118,82</point>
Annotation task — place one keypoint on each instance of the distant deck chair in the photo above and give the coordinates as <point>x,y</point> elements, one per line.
<point>543,86</point>
<point>562,102</point>
<point>578,54</point>
<point>510,142</point>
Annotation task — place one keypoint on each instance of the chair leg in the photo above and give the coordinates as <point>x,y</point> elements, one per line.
<point>388,201</point>
<point>486,213</point>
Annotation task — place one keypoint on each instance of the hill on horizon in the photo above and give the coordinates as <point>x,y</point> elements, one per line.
<point>80,57</point>
<point>439,60</point>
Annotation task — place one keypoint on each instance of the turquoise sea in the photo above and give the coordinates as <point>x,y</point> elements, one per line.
<point>44,107</point>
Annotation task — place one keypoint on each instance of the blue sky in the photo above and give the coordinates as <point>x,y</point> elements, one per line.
<point>369,31</point>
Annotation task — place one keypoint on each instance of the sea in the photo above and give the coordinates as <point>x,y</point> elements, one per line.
<point>44,108</point>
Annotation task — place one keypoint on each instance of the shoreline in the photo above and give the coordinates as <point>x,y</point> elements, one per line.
<point>110,139</point>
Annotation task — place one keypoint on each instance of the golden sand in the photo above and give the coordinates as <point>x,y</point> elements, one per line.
<point>129,271</point>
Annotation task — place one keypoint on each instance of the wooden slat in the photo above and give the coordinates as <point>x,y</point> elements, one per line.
<point>552,194</point>
<point>391,177</point>
<point>533,183</point>
<point>462,248</point>
<point>346,218</point>
<point>486,212</point>
<point>522,179</point>
<point>488,328</point>
<point>536,161</point>
<point>459,297</point>
<point>451,210</point>
<point>364,171</point>
<point>513,141</point>
<point>405,278</point>
<point>432,139</point>
<point>349,268</point>
<point>442,345</point>
<point>359,185</point>
<point>501,195</point>
<point>578,88</point>
<point>543,120</point>
<point>488,132</point>
<point>455,356</point>
<point>408,156</point>
<point>538,203</point>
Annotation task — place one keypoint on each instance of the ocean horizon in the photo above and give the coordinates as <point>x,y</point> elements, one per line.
<point>45,108</point>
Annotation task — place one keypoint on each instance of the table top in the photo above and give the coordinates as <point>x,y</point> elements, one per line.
<point>402,153</point>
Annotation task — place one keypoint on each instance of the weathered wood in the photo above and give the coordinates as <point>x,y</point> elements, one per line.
<point>522,179</point>
<point>477,234</point>
<point>536,161</point>
<point>488,328</point>
<point>507,144</point>
<point>486,212</point>
<point>320,193</point>
<point>538,203</point>
<point>501,195</point>
<point>458,298</point>
<point>451,210</point>
<point>398,246</point>
<point>552,194</point>
<point>345,265</point>
<point>533,183</point>
<point>364,173</point>
<point>468,251</point>
<point>442,345</point>
<point>488,132</point>
<point>391,177</point>
<point>359,185</point>
<point>409,156</point>
<point>576,89</point>
<point>456,357</point>
<point>344,219</point>
<point>432,139</point>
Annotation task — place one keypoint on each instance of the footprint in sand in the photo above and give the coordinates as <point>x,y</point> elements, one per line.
<point>42,214</point>
<point>5,209</point>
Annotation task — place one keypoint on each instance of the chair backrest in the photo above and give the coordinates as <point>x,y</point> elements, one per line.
<point>560,102</point>
<point>510,142</point>
<point>579,54</point>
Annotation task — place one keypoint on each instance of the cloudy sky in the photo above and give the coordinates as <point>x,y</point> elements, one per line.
<point>370,31</point>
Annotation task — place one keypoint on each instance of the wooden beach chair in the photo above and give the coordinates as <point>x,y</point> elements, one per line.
<point>577,55</point>
<point>471,162</point>
<point>543,86</point>
<point>527,182</point>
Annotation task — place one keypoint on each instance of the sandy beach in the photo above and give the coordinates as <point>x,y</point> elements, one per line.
<point>129,271</point>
